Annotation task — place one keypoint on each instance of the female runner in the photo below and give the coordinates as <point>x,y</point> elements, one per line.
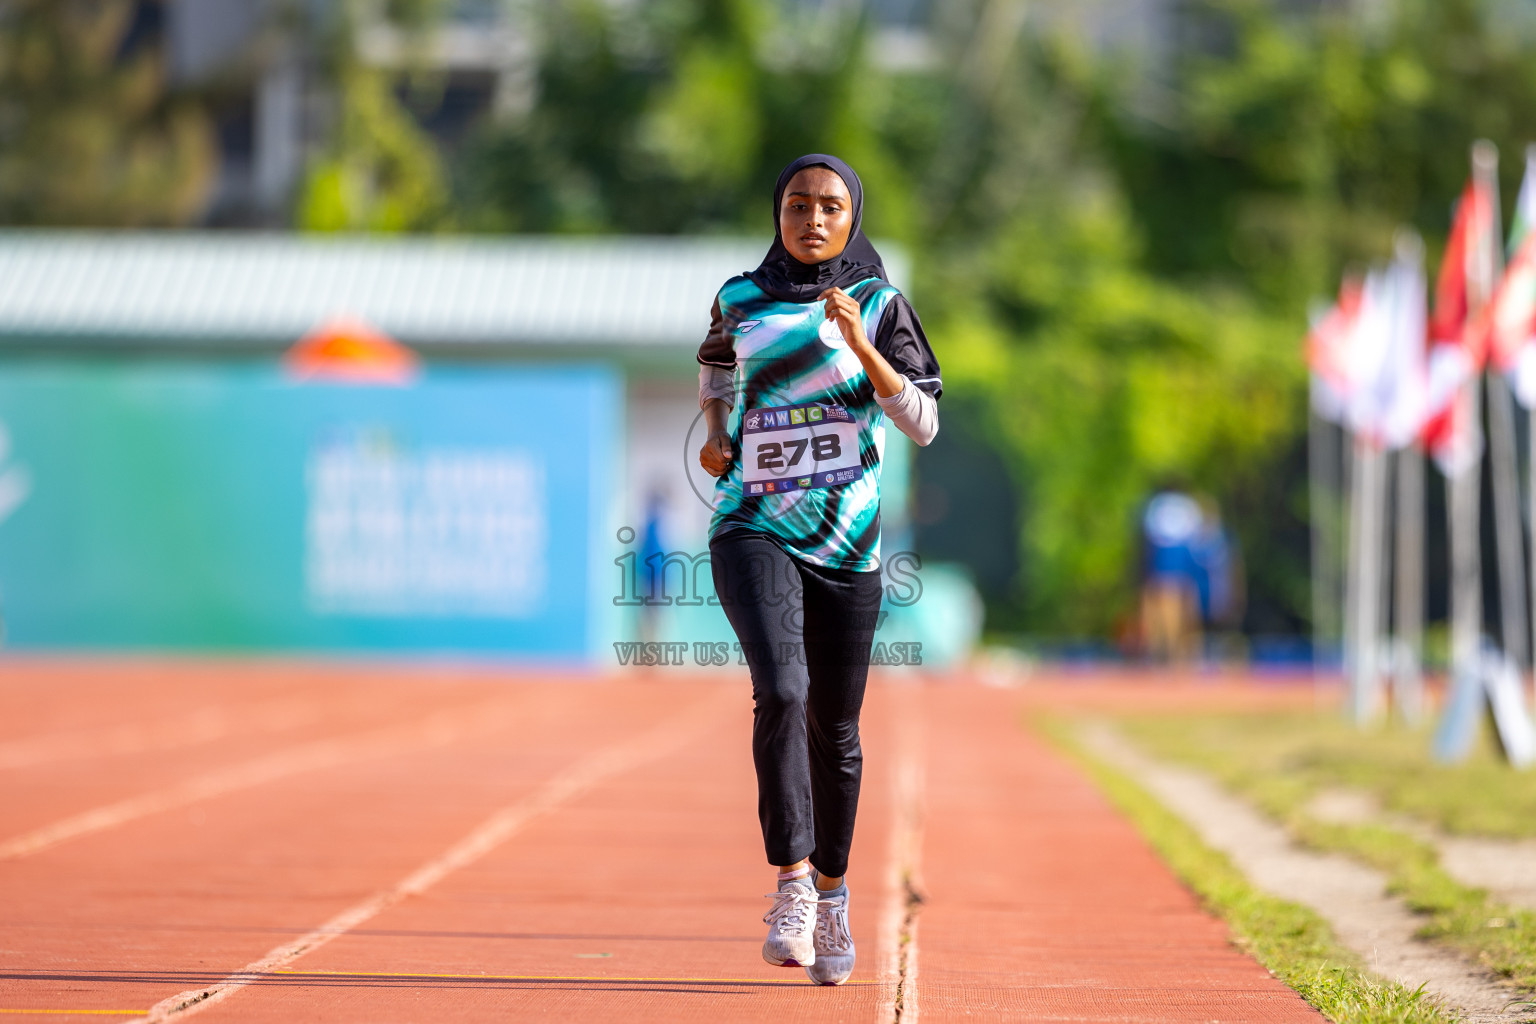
<point>806,358</point>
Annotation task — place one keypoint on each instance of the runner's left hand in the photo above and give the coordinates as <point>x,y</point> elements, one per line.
<point>842,307</point>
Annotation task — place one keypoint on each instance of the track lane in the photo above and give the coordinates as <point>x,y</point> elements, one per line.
<point>641,901</point>
<point>1045,905</point>
<point>638,897</point>
<point>53,789</point>
<point>44,695</point>
<point>437,728</point>
<point>187,728</point>
<point>486,837</point>
<point>122,916</point>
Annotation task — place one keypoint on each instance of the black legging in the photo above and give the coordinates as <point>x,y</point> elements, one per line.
<point>806,632</point>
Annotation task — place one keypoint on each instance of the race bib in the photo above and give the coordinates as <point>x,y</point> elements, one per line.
<point>798,447</point>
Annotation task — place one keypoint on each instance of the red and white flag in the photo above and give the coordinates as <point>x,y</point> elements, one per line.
<point>1457,343</point>
<point>1328,344</point>
<point>1403,374</point>
<point>1510,320</point>
<point>1367,356</point>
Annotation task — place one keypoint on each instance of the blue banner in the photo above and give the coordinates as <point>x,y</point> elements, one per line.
<point>145,505</point>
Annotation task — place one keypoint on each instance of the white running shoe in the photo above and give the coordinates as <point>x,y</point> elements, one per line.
<point>834,943</point>
<point>791,925</point>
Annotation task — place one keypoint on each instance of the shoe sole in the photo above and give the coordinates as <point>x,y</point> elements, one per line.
<point>840,981</point>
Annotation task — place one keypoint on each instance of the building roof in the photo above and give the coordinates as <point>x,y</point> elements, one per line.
<point>189,289</point>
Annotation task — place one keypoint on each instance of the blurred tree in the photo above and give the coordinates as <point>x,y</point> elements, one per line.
<point>1098,377</point>
<point>88,131</point>
<point>670,116</point>
<point>1090,375</point>
<point>380,171</point>
<point>1125,275</point>
<point>1286,147</point>
<point>1294,145</point>
<point>1113,259</point>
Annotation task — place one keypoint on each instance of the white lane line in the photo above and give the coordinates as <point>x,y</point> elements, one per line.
<point>491,833</point>
<point>903,879</point>
<point>436,730</point>
<point>189,729</point>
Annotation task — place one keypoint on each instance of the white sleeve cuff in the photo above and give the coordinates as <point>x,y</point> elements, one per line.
<point>716,382</point>
<point>914,412</point>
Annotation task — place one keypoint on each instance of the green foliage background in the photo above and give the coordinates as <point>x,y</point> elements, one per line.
<point>1113,257</point>
<point>89,134</point>
<point>1094,365</point>
<point>1113,253</point>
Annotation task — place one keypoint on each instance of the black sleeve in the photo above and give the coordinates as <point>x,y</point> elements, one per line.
<point>900,339</point>
<point>719,348</point>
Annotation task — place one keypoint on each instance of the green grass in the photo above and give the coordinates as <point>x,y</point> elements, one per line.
<point>1278,758</point>
<point>1279,762</point>
<point>1293,942</point>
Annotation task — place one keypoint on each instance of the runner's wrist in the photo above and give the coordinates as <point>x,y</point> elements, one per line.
<point>859,343</point>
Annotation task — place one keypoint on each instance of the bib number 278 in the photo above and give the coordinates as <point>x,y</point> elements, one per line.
<point>799,447</point>
<point>773,454</point>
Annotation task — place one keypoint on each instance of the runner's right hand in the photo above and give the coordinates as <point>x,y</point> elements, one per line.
<point>716,455</point>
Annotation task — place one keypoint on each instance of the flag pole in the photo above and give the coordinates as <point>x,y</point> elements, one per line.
<point>1386,671</point>
<point>1465,486</point>
<point>1349,578</point>
<point>1354,548</point>
<point>1408,668</point>
<point>1503,460</point>
<point>1408,562</point>
<point>1407,573</point>
<point>1322,498</point>
<point>1366,550</point>
<point>1530,158</point>
<point>1466,567</point>
<point>1381,646</point>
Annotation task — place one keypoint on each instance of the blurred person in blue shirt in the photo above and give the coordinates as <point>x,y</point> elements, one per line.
<point>1218,576</point>
<point>1171,527</point>
<point>653,553</point>
<point>1190,575</point>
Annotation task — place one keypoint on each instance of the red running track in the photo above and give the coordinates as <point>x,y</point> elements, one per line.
<point>277,842</point>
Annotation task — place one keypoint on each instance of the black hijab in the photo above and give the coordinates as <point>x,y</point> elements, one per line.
<point>786,279</point>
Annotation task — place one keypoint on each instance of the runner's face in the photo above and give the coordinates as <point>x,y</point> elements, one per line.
<point>816,215</point>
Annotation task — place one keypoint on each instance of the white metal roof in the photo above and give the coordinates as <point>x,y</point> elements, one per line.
<point>206,287</point>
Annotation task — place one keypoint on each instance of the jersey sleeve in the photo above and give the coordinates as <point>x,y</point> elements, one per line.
<point>900,339</point>
<point>719,348</point>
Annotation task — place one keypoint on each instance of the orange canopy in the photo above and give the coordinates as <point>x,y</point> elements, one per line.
<point>347,350</point>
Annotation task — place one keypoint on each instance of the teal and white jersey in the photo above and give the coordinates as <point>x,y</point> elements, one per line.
<point>806,430</point>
